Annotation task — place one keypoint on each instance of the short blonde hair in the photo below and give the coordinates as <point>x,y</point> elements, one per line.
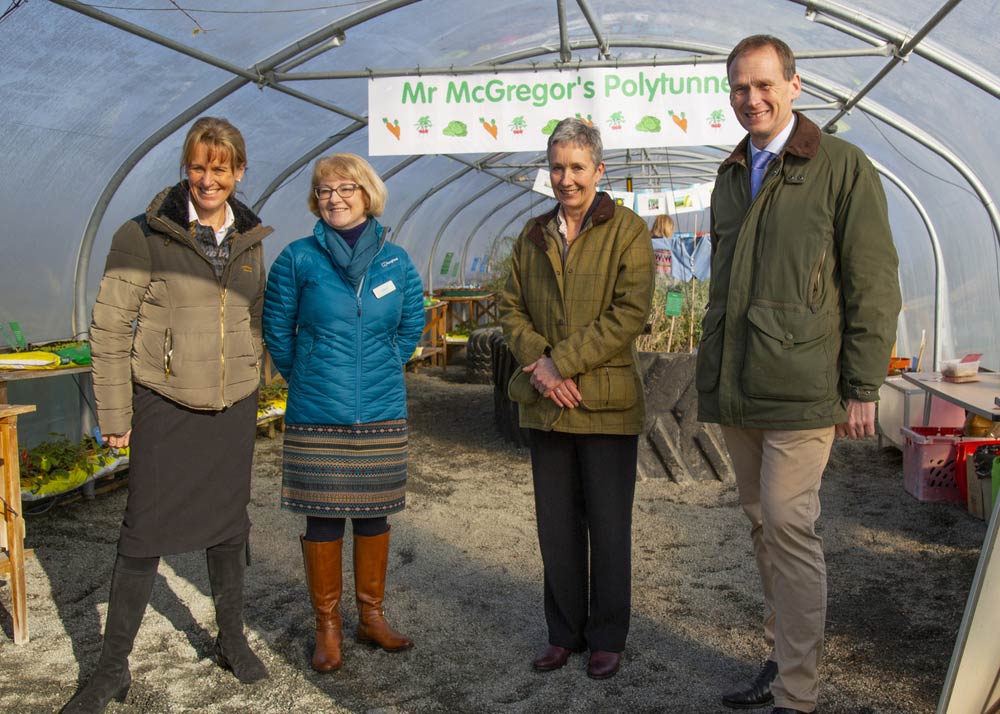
<point>353,168</point>
<point>223,140</point>
<point>663,226</point>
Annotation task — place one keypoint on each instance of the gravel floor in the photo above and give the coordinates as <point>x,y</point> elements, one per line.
<point>465,583</point>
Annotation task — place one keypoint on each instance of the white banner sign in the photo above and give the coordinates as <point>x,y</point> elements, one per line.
<point>681,105</point>
<point>543,183</point>
<point>623,198</point>
<point>651,204</point>
<point>681,200</point>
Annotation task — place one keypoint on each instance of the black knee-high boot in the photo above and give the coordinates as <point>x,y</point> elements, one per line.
<point>226,566</point>
<point>131,585</point>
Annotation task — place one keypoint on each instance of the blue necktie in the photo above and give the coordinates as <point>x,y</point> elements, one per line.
<point>760,161</point>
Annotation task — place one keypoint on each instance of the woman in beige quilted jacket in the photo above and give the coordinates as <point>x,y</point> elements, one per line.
<point>176,344</point>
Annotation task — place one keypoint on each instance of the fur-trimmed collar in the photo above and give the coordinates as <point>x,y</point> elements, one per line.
<point>803,142</point>
<point>604,210</point>
<point>172,204</point>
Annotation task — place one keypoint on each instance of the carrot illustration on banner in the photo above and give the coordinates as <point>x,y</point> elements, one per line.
<point>680,121</point>
<point>490,126</point>
<point>392,126</point>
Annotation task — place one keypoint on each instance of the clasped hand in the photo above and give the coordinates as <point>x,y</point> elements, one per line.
<point>545,378</point>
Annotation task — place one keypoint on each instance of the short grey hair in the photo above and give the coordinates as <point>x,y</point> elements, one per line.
<point>579,132</point>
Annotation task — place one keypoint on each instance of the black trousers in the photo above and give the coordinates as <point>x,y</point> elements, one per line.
<point>584,489</point>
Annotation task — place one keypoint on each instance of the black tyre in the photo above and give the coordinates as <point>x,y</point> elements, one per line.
<point>478,356</point>
<point>504,410</point>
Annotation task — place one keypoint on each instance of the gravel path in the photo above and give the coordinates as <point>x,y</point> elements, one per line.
<point>465,583</point>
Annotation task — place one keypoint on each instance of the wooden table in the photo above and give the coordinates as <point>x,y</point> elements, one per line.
<point>12,553</point>
<point>16,375</point>
<point>432,344</point>
<point>474,308</point>
<point>977,397</point>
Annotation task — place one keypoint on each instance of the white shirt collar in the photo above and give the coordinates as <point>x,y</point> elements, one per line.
<point>777,144</point>
<point>220,235</point>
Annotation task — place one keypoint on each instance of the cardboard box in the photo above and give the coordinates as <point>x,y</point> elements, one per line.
<point>979,477</point>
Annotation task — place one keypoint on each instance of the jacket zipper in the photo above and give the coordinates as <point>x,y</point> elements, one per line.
<point>358,336</point>
<point>222,343</point>
<point>814,293</point>
<point>359,332</point>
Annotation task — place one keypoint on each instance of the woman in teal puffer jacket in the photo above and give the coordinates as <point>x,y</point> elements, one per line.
<point>343,312</point>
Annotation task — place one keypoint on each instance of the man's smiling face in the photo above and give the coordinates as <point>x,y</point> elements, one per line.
<point>760,95</point>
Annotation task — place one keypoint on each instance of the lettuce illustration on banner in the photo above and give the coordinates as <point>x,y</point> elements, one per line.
<point>455,128</point>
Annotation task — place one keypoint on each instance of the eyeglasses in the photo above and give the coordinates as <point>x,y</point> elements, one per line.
<point>344,190</point>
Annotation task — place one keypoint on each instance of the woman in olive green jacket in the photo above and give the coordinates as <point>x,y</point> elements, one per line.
<point>577,297</point>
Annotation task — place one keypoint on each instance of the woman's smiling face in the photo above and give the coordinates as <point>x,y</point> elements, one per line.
<point>212,179</point>
<point>339,211</point>
<point>574,176</point>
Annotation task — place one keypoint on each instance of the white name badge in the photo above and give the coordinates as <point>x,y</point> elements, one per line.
<point>380,291</point>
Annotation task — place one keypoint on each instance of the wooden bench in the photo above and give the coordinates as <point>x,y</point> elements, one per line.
<point>429,356</point>
<point>12,552</point>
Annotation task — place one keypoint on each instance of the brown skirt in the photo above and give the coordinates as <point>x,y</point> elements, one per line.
<point>189,476</point>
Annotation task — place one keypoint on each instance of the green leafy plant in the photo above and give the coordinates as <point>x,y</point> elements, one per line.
<point>59,464</point>
<point>273,395</point>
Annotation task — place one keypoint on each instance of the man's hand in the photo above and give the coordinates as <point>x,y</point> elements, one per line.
<point>117,441</point>
<point>546,379</point>
<point>860,420</point>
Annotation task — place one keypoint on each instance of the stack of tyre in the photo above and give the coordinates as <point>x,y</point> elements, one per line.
<point>479,355</point>
<point>504,410</point>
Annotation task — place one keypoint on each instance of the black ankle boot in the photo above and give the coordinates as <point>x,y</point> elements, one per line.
<point>226,565</point>
<point>131,585</point>
<point>757,693</point>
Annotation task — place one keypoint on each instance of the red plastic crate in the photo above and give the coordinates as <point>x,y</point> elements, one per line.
<point>934,462</point>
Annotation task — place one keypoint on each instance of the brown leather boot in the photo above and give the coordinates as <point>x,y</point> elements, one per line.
<point>323,576</point>
<point>371,557</point>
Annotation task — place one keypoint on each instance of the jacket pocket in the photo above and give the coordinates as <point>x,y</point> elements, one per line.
<point>709,359</point>
<point>519,388</point>
<point>168,351</point>
<point>788,355</point>
<point>608,388</point>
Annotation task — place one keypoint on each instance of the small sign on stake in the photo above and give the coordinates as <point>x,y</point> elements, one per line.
<point>674,304</point>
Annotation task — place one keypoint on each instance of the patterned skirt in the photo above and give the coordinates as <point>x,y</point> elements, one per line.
<point>345,471</point>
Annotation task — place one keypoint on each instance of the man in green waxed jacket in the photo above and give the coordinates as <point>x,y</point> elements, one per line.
<point>796,340</point>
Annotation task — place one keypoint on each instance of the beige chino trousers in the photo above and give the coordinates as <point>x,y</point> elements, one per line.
<point>778,475</point>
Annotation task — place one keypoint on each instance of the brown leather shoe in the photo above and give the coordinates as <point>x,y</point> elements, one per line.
<point>603,664</point>
<point>550,658</point>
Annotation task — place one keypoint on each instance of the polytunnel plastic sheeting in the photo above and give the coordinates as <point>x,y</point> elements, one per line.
<point>82,96</point>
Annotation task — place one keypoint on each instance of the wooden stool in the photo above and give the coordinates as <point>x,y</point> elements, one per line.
<point>12,553</point>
